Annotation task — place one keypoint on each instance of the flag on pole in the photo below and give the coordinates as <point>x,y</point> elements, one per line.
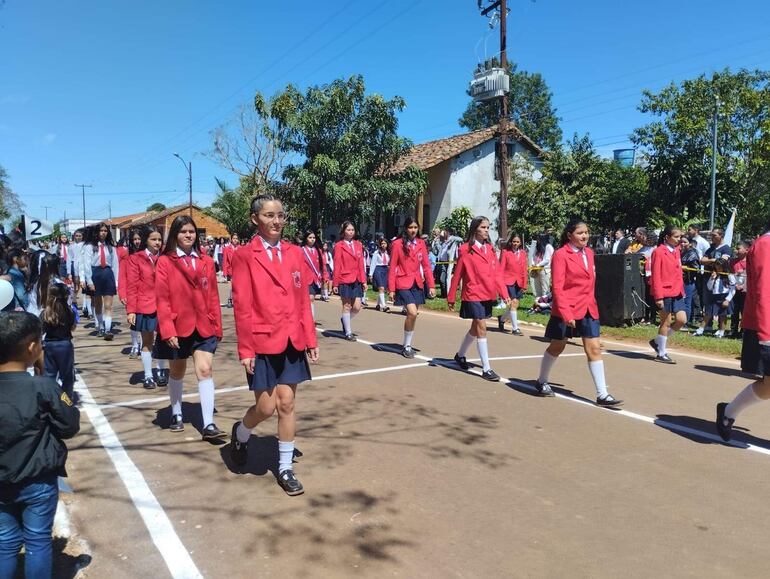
<point>36,228</point>
<point>728,240</point>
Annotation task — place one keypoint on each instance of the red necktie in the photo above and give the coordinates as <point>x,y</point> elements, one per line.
<point>274,256</point>
<point>102,257</point>
<point>64,253</point>
<point>187,260</point>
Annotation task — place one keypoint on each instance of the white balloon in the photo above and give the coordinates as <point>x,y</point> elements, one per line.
<point>6,293</point>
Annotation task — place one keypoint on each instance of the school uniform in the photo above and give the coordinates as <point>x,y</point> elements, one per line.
<point>755,354</point>
<point>514,272</point>
<point>349,273</point>
<point>273,321</point>
<point>122,257</point>
<point>187,304</point>
<point>66,255</point>
<point>408,274</point>
<point>101,268</point>
<point>314,269</point>
<point>330,264</point>
<point>482,279</point>
<point>76,256</point>
<point>666,278</point>
<point>573,287</point>
<point>378,268</point>
<point>228,251</point>
<point>722,289</point>
<point>140,290</point>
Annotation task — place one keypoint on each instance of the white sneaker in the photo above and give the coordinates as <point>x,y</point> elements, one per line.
<point>698,332</point>
<point>719,334</point>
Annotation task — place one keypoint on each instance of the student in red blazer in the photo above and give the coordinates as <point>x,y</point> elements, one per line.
<point>314,270</point>
<point>134,241</point>
<point>228,252</point>
<point>275,330</point>
<point>513,262</point>
<point>349,278</point>
<point>755,354</point>
<point>667,289</point>
<point>575,313</point>
<point>408,273</point>
<point>480,273</point>
<point>141,302</point>
<point>189,320</point>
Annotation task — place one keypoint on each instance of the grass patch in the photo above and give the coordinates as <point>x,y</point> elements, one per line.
<point>639,333</point>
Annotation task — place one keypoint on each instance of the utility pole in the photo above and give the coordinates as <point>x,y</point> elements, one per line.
<point>109,209</point>
<point>714,164</point>
<point>47,207</point>
<point>83,187</point>
<point>187,166</point>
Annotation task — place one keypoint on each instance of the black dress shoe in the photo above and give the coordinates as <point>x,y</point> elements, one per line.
<point>149,384</point>
<point>211,432</point>
<point>608,401</point>
<point>407,352</point>
<point>100,333</point>
<point>108,336</point>
<point>517,332</point>
<point>724,424</point>
<point>544,389</point>
<point>162,380</point>
<point>350,337</point>
<point>664,359</point>
<point>176,423</point>
<point>462,362</point>
<point>490,375</point>
<point>500,323</point>
<point>653,344</point>
<point>239,451</point>
<point>289,483</point>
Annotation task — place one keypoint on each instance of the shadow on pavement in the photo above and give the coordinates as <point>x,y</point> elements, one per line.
<point>721,371</point>
<point>695,426</point>
<point>65,565</point>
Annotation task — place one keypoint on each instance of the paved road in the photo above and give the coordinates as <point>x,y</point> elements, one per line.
<point>413,468</point>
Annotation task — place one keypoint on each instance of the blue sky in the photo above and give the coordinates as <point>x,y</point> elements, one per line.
<point>104,92</point>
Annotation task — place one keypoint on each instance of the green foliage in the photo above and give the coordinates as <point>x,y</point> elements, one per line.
<point>233,208</point>
<point>348,141</point>
<point>659,220</point>
<point>677,146</point>
<point>458,221</point>
<point>156,207</point>
<point>529,106</point>
<point>9,201</point>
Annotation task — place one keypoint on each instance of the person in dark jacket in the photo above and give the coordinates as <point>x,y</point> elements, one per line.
<point>35,417</point>
<point>690,261</point>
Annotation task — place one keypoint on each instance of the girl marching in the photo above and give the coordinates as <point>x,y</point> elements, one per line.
<point>141,302</point>
<point>409,273</point>
<point>275,331</point>
<point>575,313</point>
<point>101,271</point>
<point>513,261</point>
<point>378,273</point>
<point>478,269</point>
<point>189,320</point>
<point>349,276</point>
<point>667,289</point>
<point>315,267</point>
<point>134,245</point>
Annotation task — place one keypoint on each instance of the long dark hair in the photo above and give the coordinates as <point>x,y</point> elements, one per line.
<point>570,228</point>
<point>475,222</point>
<point>94,237</point>
<point>343,227</point>
<point>509,243</point>
<point>145,233</point>
<point>55,308</point>
<point>667,230</point>
<point>131,234</point>
<point>173,232</point>
<point>41,279</point>
<point>405,236</point>
<point>543,240</point>
<point>307,234</point>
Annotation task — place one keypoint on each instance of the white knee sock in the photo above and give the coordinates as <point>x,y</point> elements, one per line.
<point>597,373</point>
<point>285,455</point>
<point>661,341</point>
<point>135,340</point>
<point>242,433</point>
<point>481,344</point>
<point>175,390</point>
<point>467,341</point>
<point>325,293</point>
<point>746,397</point>
<point>107,323</point>
<point>346,322</point>
<point>381,299</point>
<point>514,315</point>
<point>161,364</point>
<point>545,367</point>
<point>408,339</point>
<point>206,391</point>
<point>87,304</point>
<point>147,364</point>
<point>312,309</point>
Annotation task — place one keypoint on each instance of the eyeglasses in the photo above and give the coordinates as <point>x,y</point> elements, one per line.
<point>279,217</point>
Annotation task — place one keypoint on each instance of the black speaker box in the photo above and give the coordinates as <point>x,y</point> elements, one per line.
<point>620,288</point>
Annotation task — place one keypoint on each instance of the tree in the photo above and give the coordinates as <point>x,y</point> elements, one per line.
<point>348,142</point>
<point>233,208</point>
<point>9,201</point>
<point>677,146</point>
<point>458,221</point>
<point>156,207</point>
<point>529,106</point>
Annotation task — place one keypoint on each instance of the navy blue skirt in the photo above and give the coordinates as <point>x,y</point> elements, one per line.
<point>314,289</point>
<point>515,292</point>
<point>187,345</point>
<point>755,358</point>
<point>673,305</point>
<point>290,367</point>
<point>351,290</point>
<point>380,276</point>
<point>146,322</point>
<point>715,307</point>
<point>477,310</point>
<point>411,296</point>
<point>104,281</point>
<point>587,327</point>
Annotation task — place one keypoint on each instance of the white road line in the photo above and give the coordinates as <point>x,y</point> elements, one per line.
<point>218,391</point>
<point>174,553</point>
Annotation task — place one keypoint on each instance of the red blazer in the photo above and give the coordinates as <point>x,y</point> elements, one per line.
<point>404,271</point>
<point>122,252</point>
<point>756,311</point>
<point>187,300</point>
<point>314,272</point>
<point>122,280</point>
<point>348,264</point>
<point>228,251</point>
<point>271,302</point>
<point>480,273</point>
<point>514,265</point>
<point>666,278</point>
<point>140,283</point>
<point>573,285</point>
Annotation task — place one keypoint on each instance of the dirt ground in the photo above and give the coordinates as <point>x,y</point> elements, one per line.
<point>413,468</point>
